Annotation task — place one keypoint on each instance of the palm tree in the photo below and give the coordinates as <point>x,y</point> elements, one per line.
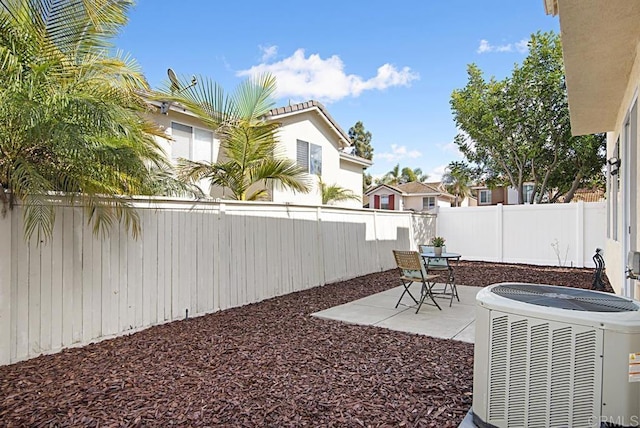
<point>335,193</point>
<point>457,181</point>
<point>70,119</point>
<point>410,175</point>
<point>253,160</point>
<point>392,177</point>
<point>405,175</point>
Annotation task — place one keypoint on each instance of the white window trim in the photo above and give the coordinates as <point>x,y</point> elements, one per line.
<point>429,198</point>
<point>193,138</point>
<point>309,146</point>
<point>485,191</point>
<point>526,188</point>
<point>388,202</point>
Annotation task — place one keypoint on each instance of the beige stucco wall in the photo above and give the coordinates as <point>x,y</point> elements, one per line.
<point>350,177</point>
<point>615,259</point>
<point>310,127</point>
<point>164,121</point>
<point>414,202</point>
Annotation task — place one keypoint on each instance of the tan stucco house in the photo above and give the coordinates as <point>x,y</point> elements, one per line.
<point>413,196</point>
<point>308,134</point>
<point>601,46</point>
<point>505,195</point>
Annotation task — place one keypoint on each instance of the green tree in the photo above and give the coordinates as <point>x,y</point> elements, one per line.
<point>457,181</point>
<point>393,177</point>
<point>334,193</point>
<point>518,129</point>
<point>409,175</point>
<point>361,140</point>
<point>253,160</point>
<point>367,180</point>
<point>70,119</point>
<point>403,175</point>
<point>583,161</point>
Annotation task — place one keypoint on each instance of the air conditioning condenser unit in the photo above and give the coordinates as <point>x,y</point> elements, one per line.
<point>549,356</point>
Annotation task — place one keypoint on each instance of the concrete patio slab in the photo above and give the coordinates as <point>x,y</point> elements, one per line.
<point>456,322</point>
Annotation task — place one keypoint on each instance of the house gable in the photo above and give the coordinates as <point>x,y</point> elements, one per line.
<point>301,124</point>
<point>316,108</point>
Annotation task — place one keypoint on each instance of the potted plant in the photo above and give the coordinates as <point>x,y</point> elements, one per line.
<point>437,242</point>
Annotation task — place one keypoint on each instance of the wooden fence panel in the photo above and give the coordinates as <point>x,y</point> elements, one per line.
<point>201,257</point>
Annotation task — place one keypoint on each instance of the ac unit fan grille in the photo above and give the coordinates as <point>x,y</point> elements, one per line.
<point>565,298</point>
<point>542,373</point>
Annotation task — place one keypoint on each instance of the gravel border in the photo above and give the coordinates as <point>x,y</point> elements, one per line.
<point>266,364</point>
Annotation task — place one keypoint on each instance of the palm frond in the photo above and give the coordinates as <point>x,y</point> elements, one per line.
<point>39,218</point>
<point>282,173</point>
<point>335,193</point>
<point>250,144</point>
<point>254,97</point>
<point>70,120</point>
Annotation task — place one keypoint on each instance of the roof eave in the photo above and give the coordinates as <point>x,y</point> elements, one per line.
<point>356,159</point>
<point>600,42</point>
<point>282,112</point>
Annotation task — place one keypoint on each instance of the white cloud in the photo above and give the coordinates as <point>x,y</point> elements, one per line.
<point>301,77</point>
<point>520,46</point>
<point>451,148</point>
<point>268,52</point>
<point>437,173</point>
<point>398,153</point>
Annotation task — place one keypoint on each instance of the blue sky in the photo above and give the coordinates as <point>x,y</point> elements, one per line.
<point>391,65</point>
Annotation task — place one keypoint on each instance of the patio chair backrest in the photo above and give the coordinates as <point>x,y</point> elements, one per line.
<point>409,263</point>
<point>437,262</point>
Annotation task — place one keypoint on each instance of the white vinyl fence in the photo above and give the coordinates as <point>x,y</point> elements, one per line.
<point>540,234</point>
<point>193,258</point>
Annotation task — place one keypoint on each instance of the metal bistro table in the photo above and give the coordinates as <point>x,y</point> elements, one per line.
<point>443,263</point>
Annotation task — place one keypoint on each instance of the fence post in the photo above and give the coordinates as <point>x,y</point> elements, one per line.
<point>375,237</point>
<point>580,234</point>
<point>320,238</point>
<point>412,232</point>
<point>499,233</point>
<point>223,264</point>
<point>6,253</point>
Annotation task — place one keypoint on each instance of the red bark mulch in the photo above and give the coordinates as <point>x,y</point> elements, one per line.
<point>266,364</point>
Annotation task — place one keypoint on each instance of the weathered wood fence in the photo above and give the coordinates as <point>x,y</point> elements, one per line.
<point>195,257</point>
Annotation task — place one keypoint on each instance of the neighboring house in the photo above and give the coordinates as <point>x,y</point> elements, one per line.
<point>308,134</point>
<point>414,196</point>
<point>509,195</point>
<point>586,195</point>
<point>600,43</point>
<point>505,195</point>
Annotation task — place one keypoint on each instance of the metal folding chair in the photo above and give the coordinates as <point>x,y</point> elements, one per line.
<point>412,270</point>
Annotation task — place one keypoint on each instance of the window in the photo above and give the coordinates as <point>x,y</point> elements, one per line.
<point>527,193</point>
<point>428,203</point>
<point>191,143</point>
<point>484,197</point>
<point>384,202</point>
<point>309,157</point>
